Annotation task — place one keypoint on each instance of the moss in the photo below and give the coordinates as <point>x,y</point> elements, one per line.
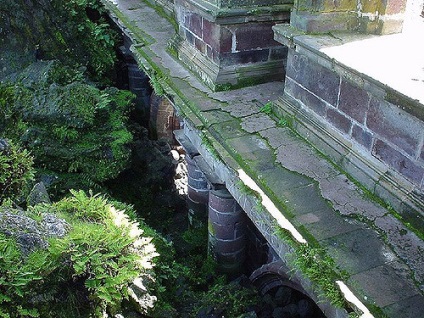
<point>16,171</point>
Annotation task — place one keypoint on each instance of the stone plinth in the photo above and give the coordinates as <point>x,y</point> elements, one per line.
<point>230,43</point>
<point>368,16</point>
<point>372,131</point>
<point>227,232</point>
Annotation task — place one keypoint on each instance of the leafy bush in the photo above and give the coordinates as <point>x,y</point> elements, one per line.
<point>16,171</point>
<point>73,31</point>
<point>88,272</point>
<point>74,130</point>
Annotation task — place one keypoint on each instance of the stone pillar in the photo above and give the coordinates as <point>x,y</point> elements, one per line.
<point>227,232</point>
<point>229,43</point>
<point>138,83</point>
<point>197,194</point>
<point>367,16</point>
<point>162,119</point>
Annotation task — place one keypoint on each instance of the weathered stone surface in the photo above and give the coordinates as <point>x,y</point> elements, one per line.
<point>351,250</point>
<point>244,57</point>
<point>362,137</point>
<point>409,307</point>
<point>254,35</point>
<point>314,77</point>
<point>257,122</point>
<point>339,121</point>
<point>395,288</point>
<point>353,101</point>
<point>394,125</point>
<point>305,97</point>
<point>38,194</point>
<point>323,224</point>
<point>398,161</point>
<point>29,233</point>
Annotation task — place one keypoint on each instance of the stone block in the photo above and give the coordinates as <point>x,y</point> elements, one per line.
<point>370,6</point>
<point>353,101</point>
<point>196,195</point>
<point>198,184</point>
<point>338,120</point>
<point>254,35</point>
<point>195,24</point>
<point>337,6</point>
<point>225,40</point>
<point>362,136</point>
<point>390,7</point>
<point>308,99</point>
<point>324,224</point>
<point>244,57</point>
<point>223,202</point>
<point>314,77</point>
<point>212,54</point>
<point>227,231</point>
<point>200,45</point>
<point>229,246</point>
<point>278,53</point>
<point>189,37</point>
<point>410,307</point>
<point>394,125</point>
<point>212,34</point>
<point>383,286</point>
<point>231,258</point>
<point>352,250</point>
<point>225,218</point>
<point>398,161</point>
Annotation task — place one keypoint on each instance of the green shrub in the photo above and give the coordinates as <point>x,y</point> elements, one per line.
<point>75,131</point>
<point>86,273</point>
<point>16,171</point>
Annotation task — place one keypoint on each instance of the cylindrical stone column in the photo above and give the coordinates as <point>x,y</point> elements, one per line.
<point>197,194</point>
<point>138,83</point>
<point>227,232</point>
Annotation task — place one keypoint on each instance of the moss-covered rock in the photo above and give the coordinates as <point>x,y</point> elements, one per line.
<point>72,31</point>
<point>73,129</point>
<point>16,171</point>
<point>79,257</point>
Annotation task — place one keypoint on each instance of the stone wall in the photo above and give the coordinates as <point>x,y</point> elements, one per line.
<point>232,47</point>
<point>382,129</point>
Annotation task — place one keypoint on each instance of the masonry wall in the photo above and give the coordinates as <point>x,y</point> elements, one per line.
<point>238,43</point>
<point>378,127</point>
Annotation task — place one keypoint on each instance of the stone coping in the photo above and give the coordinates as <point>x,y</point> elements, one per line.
<point>384,260</point>
<point>239,13</point>
<point>390,66</point>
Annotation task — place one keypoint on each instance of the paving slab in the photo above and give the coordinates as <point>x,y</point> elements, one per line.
<point>324,224</point>
<point>357,251</point>
<point>396,289</point>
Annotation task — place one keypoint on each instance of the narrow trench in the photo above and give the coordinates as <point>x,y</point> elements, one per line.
<point>156,185</point>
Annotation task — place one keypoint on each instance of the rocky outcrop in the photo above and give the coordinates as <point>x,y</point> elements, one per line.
<point>32,30</point>
<point>32,231</point>
<point>76,132</point>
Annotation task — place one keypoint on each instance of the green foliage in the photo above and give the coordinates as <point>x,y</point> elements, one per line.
<point>267,108</point>
<point>84,274</point>
<point>74,129</point>
<point>318,266</point>
<point>156,81</point>
<point>231,299</point>
<point>75,32</point>
<point>16,172</point>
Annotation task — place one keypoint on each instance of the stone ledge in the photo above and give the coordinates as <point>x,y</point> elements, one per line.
<point>365,126</point>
